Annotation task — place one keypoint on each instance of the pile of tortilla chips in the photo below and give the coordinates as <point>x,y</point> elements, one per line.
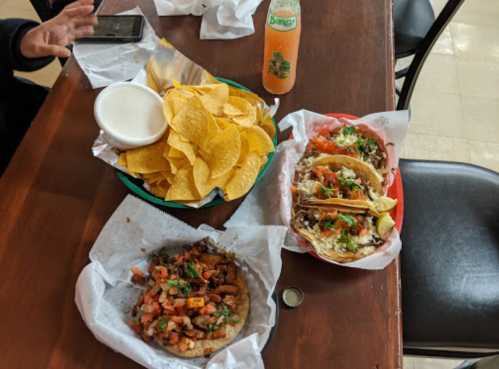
<point>217,137</point>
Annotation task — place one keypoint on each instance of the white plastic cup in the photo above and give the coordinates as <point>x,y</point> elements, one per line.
<point>121,107</point>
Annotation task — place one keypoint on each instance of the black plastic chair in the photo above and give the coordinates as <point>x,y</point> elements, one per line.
<point>416,31</point>
<point>450,259</point>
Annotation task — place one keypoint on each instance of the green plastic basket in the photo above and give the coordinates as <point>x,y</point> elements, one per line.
<point>136,185</point>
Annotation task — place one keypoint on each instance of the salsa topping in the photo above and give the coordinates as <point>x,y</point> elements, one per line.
<point>348,140</point>
<point>192,296</point>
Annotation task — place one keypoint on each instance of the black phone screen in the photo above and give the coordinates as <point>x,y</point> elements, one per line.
<point>118,28</point>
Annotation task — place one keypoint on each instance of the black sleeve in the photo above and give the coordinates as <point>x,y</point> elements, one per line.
<point>11,33</point>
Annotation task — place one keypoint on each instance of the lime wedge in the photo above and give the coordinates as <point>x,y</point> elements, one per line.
<point>384,225</point>
<point>384,204</point>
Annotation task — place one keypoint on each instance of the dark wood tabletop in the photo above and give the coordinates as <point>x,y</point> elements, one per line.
<point>55,198</point>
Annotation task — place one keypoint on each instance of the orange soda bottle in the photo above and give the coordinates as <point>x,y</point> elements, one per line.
<point>282,42</point>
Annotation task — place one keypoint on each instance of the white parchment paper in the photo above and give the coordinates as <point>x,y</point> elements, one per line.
<point>104,64</point>
<point>104,296</point>
<point>222,19</point>
<point>270,201</point>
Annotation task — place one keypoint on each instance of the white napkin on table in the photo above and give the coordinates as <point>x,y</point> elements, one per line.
<point>104,64</point>
<point>222,19</point>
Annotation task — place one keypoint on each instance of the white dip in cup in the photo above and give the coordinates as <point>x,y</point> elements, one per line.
<point>131,115</point>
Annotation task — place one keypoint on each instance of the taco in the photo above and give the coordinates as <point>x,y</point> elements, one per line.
<point>357,141</point>
<point>339,233</point>
<point>195,302</point>
<point>340,180</point>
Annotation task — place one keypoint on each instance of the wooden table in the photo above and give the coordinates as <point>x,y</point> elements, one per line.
<point>55,198</point>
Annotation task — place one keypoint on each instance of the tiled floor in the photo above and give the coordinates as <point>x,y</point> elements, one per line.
<point>455,108</point>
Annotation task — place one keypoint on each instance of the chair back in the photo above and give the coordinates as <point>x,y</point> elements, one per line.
<point>450,259</point>
<point>423,51</point>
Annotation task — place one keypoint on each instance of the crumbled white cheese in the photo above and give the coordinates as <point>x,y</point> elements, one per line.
<point>308,186</point>
<point>347,173</point>
<point>345,140</point>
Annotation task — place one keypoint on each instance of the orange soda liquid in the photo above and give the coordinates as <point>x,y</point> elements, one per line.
<point>282,42</point>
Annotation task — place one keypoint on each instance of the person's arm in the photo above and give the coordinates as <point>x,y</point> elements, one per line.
<point>12,32</point>
<point>30,46</point>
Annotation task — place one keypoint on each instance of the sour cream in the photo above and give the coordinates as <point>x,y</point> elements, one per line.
<point>130,115</point>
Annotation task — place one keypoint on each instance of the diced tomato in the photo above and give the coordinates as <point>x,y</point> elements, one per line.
<point>148,299</point>
<point>327,232</point>
<point>363,231</point>
<point>156,308</point>
<point>330,178</point>
<point>169,308</point>
<point>319,171</point>
<point>220,333</point>
<point>357,195</point>
<point>359,218</point>
<point>324,131</point>
<point>153,308</point>
<point>208,309</point>
<point>173,338</point>
<point>146,318</point>
<point>160,273</point>
<point>341,224</point>
<point>135,326</point>
<point>324,145</point>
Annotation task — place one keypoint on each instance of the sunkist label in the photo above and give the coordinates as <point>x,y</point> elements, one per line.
<point>282,23</point>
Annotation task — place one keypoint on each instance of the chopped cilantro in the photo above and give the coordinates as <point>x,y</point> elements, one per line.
<point>212,327</point>
<point>190,270</point>
<point>347,242</point>
<point>361,145</point>
<point>349,183</point>
<point>162,324</point>
<point>172,283</point>
<point>225,312</point>
<point>366,146</point>
<point>326,191</point>
<point>185,288</point>
<point>348,219</point>
<point>328,224</point>
<point>372,143</point>
<point>349,130</point>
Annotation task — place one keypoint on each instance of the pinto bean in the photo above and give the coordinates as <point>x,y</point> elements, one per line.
<point>231,273</point>
<point>215,298</point>
<point>220,333</point>
<point>227,289</point>
<point>211,260</point>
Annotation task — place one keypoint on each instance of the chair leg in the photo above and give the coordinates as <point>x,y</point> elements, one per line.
<point>401,73</point>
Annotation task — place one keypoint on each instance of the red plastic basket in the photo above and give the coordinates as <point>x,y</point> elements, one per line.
<point>395,191</point>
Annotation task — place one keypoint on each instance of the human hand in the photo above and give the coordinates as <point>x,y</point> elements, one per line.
<point>51,37</point>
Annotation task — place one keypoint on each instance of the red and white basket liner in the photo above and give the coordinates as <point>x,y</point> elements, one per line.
<point>270,202</point>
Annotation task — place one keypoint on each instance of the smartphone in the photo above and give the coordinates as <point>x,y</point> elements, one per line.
<point>117,29</point>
